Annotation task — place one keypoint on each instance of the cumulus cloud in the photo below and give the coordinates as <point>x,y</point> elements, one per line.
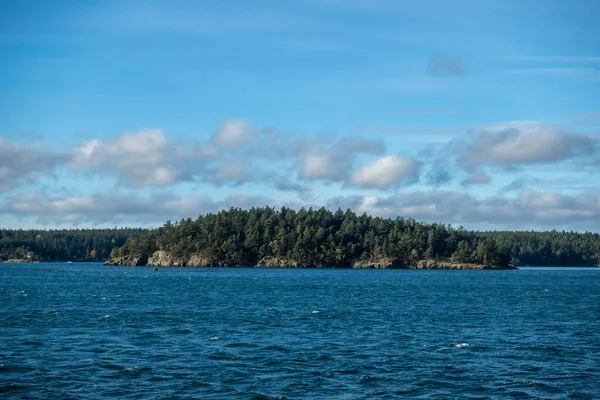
<point>518,144</point>
<point>20,162</point>
<point>385,172</point>
<point>236,153</point>
<point>229,172</point>
<point>240,139</point>
<point>151,158</point>
<point>318,164</point>
<point>529,209</point>
<point>120,209</point>
<point>233,133</point>
<point>206,150</point>
<point>141,159</point>
<point>332,161</point>
<point>478,178</point>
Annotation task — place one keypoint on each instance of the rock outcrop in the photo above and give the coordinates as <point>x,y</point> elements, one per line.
<point>433,264</point>
<point>275,262</point>
<point>384,263</point>
<point>199,261</point>
<point>163,259</point>
<point>131,261</point>
<point>160,258</point>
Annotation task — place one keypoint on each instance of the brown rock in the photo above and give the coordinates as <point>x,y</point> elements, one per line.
<point>383,263</point>
<point>274,262</point>
<point>161,258</point>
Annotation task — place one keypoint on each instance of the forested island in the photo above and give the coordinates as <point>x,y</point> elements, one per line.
<point>305,238</point>
<point>266,237</point>
<point>19,245</point>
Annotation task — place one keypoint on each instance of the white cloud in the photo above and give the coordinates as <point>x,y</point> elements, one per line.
<point>206,150</point>
<point>128,150</point>
<point>229,172</point>
<point>385,172</point>
<point>141,159</point>
<point>151,158</point>
<point>236,153</point>
<point>514,144</point>
<point>527,210</point>
<point>25,163</point>
<point>119,209</point>
<point>318,164</point>
<point>333,161</point>
<point>233,133</point>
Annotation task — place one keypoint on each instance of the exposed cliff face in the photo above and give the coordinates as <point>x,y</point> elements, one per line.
<point>199,260</point>
<point>160,258</point>
<point>128,260</point>
<point>274,262</point>
<point>384,263</point>
<point>164,259</point>
<point>433,264</point>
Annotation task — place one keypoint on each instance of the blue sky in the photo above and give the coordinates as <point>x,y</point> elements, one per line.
<point>481,114</point>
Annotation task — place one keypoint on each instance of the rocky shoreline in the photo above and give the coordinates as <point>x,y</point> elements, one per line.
<point>163,259</point>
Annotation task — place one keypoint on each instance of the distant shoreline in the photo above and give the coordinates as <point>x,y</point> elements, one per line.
<point>474,267</point>
<point>162,259</point>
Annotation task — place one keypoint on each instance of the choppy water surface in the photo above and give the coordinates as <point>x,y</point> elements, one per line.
<point>86,331</point>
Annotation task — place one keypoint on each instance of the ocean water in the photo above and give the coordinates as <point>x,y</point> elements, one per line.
<point>86,331</point>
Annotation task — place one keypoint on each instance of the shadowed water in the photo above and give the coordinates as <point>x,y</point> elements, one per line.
<point>85,331</point>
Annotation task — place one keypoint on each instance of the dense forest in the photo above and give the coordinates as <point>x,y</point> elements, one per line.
<point>64,244</point>
<point>338,239</point>
<point>552,248</point>
<point>314,238</point>
<point>305,237</point>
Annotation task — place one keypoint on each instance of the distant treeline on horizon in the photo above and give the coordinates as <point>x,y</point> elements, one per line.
<point>63,244</point>
<point>317,237</point>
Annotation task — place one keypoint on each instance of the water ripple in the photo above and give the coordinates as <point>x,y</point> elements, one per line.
<point>94,332</point>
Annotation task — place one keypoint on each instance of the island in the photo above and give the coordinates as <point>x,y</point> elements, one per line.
<point>304,238</point>
<point>265,237</point>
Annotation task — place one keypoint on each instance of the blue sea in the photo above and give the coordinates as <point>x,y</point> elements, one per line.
<point>87,331</point>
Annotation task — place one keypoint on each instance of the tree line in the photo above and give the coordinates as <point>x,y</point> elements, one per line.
<point>551,248</point>
<point>239,237</point>
<point>63,244</point>
<point>311,237</point>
